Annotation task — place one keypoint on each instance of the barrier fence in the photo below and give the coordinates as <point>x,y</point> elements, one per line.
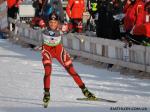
<point>104,50</point>
<point>3,14</point>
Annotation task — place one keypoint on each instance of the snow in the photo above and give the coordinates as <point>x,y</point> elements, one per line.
<point>21,85</point>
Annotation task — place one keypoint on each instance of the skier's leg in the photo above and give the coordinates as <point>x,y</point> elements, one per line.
<point>65,60</point>
<point>47,63</point>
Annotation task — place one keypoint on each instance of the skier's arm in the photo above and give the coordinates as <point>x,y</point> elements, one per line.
<point>39,48</point>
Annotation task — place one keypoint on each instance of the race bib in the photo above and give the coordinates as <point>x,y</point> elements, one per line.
<point>51,40</point>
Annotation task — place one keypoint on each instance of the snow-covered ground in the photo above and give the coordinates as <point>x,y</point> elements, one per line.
<point>21,85</point>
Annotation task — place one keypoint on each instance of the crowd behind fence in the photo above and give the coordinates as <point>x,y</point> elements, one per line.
<point>103,50</point>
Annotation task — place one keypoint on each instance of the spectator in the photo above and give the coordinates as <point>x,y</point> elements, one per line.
<point>54,6</point>
<point>104,27</point>
<point>37,4</point>
<point>38,21</point>
<point>134,15</point>
<point>143,30</point>
<point>92,6</point>
<point>147,11</point>
<point>117,9</point>
<point>13,9</point>
<point>43,9</point>
<point>74,10</point>
<point>117,6</point>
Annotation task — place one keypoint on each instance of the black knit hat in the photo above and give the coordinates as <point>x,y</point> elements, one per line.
<point>53,16</point>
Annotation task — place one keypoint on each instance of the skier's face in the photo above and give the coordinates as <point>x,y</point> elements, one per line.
<point>53,24</point>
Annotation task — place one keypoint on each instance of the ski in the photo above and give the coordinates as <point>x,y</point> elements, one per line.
<point>133,40</point>
<point>46,99</point>
<point>145,42</point>
<point>97,99</point>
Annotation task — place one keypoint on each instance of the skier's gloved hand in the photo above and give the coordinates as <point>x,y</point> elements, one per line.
<point>65,27</point>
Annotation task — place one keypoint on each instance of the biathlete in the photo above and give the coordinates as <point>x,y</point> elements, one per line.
<point>52,48</point>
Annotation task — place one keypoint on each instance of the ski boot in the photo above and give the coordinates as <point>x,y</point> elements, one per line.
<point>88,94</point>
<point>46,99</point>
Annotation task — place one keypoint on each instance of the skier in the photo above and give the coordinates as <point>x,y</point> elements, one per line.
<point>52,48</point>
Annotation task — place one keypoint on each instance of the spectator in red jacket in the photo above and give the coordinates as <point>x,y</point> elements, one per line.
<point>135,21</point>
<point>134,14</point>
<point>13,7</point>
<point>75,9</point>
<point>144,29</point>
